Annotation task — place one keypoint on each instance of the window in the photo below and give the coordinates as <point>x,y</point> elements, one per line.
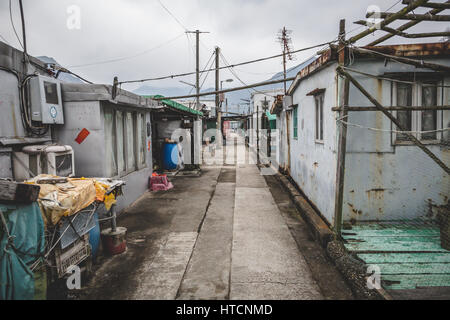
<point>120,142</point>
<point>295,123</point>
<point>125,141</point>
<point>429,117</point>
<point>110,144</point>
<point>319,116</point>
<point>418,94</point>
<point>141,133</point>
<point>404,99</point>
<point>130,143</point>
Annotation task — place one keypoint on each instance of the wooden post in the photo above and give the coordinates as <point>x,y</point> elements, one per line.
<point>394,120</point>
<point>342,142</point>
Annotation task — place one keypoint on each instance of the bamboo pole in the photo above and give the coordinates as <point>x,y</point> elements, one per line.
<point>413,62</point>
<point>413,5</point>
<point>408,35</point>
<point>410,24</point>
<point>412,17</point>
<point>393,108</point>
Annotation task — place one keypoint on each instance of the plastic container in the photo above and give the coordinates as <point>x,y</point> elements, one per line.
<point>170,156</point>
<point>94,237</point>
<point>114,242</point>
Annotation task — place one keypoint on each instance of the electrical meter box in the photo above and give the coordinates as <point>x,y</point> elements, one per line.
<point>46,100</point>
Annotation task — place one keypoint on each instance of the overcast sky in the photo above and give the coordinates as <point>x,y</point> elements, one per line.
<point>156,40</point>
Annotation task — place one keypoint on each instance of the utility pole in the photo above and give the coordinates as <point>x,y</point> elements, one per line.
<point>197,64</point>
<point>344,86</point>
<point>285,41</point>
<point>218,111</point>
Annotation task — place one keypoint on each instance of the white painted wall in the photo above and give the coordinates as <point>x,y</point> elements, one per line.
<point>386,181</point>
<point>313,165</point>
<point>383,181</point>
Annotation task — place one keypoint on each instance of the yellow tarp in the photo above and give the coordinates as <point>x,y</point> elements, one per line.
<point>65,199</point>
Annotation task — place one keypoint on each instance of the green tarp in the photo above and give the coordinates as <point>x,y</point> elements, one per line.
<point>26,228</point>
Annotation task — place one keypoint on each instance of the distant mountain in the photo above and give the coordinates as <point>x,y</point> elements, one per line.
<point>234,98</point>
<point>63,76</point>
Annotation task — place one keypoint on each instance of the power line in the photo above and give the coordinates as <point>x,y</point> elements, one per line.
<point>13,26</point>
<point>260,84</point>
<point>3,38</point>
<point>127,57</point>
<point>172,15</point>
<point>234,65</point>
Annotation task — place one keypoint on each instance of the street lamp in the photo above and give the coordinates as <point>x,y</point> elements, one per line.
<point>228,80</point>
<point>221,82</point>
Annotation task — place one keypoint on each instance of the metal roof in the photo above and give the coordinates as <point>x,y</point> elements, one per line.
<point>175,105</point>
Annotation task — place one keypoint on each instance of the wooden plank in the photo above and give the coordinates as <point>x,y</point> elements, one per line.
<point>11,191</point>
<point>402,225</point>
<point>379,258</point>
<point>393,232</point>
<point>399,282</point>
<point>401,244</point>
<point>414,268</point>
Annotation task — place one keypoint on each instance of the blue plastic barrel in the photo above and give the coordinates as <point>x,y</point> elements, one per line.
<point>94,237</point>
<point>170,156</point>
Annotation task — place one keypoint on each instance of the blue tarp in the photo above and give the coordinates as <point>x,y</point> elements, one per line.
<point>25,224</point>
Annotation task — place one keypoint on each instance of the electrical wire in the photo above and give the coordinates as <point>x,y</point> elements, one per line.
<point>172,15</point>
<point>208,65</point>
<point>390,131</point>
<point>13,26</point>
<point>240,80</point>
<point>127,57</point>
<point>3,38</point>
<point>390,79</point>
<point>233,65</point>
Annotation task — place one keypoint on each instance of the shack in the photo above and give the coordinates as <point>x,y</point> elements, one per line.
<point>392,189</point>
<point>176,123</point>
<point>111,137</point>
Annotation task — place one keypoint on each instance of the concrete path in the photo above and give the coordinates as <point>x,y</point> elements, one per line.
<point>217,236</point>
<point>266,263</point>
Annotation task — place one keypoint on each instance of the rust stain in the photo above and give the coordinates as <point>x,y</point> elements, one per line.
<point>414,50</point>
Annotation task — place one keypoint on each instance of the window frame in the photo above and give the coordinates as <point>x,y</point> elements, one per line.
<point>318,118</point>
<point>295,123</point>
<point>138,138</point>
<point>416,116</point>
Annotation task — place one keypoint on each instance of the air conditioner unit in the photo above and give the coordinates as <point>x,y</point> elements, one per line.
<point>44,159</point>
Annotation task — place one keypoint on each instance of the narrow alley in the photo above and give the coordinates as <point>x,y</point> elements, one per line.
<point>260,153</point>
<point>228,233</point>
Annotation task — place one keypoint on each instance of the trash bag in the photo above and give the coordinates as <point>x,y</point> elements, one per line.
<point>26,246</point>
